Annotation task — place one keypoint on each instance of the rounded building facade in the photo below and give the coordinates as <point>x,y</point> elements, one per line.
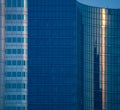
<point>99,32</point>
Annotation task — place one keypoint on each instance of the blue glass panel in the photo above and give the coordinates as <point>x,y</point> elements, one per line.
<point>52,55</point>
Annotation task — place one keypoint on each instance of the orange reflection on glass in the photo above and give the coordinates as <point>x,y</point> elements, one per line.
<point>103,57</point>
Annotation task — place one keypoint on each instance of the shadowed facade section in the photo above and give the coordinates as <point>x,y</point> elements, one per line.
<point>52,65</point>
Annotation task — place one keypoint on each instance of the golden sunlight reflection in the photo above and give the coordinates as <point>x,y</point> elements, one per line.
<point>103,57</point>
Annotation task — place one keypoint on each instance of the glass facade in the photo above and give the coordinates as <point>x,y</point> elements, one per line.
<point>98,30</point>
<point>13,54</point>
<point>52,74</point>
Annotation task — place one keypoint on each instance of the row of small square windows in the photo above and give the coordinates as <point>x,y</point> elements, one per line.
<point>14,3</point>
<point>15,74</point>
<point>14,17</point>
<point>15,62</point>
<point>14,51</point>
<point>14,28</point>
<point>15,108</point>
<point>15,85</point>
<point>14,40</point>
<point>15,97</point>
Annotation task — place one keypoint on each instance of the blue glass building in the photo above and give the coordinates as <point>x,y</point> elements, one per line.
<point>52,65</point>
<point>38,55</point>
<point>99,33</point>
<point>54,57</point>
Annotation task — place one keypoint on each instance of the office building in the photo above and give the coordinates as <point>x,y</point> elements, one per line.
<point>38,55</point>
<point>13,53</point>
<point>52,74</point>
<point>98,29</point>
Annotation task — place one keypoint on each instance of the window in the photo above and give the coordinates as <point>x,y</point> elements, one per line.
<point>14,17</point>
<point>14,28</point>
<point>15,86</point>
<point>14,40</point>
<point>14,3</point>
<point>15,108</point>
<point>15,74</point>
<point>15,62</point>
<point>15,97</point>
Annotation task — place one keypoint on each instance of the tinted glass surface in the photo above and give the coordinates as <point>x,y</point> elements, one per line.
<point>101,51</point>
<point>52,74</point>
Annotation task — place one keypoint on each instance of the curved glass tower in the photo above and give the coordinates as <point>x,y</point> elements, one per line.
<point>99,31</point>
<point>13,54</point>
